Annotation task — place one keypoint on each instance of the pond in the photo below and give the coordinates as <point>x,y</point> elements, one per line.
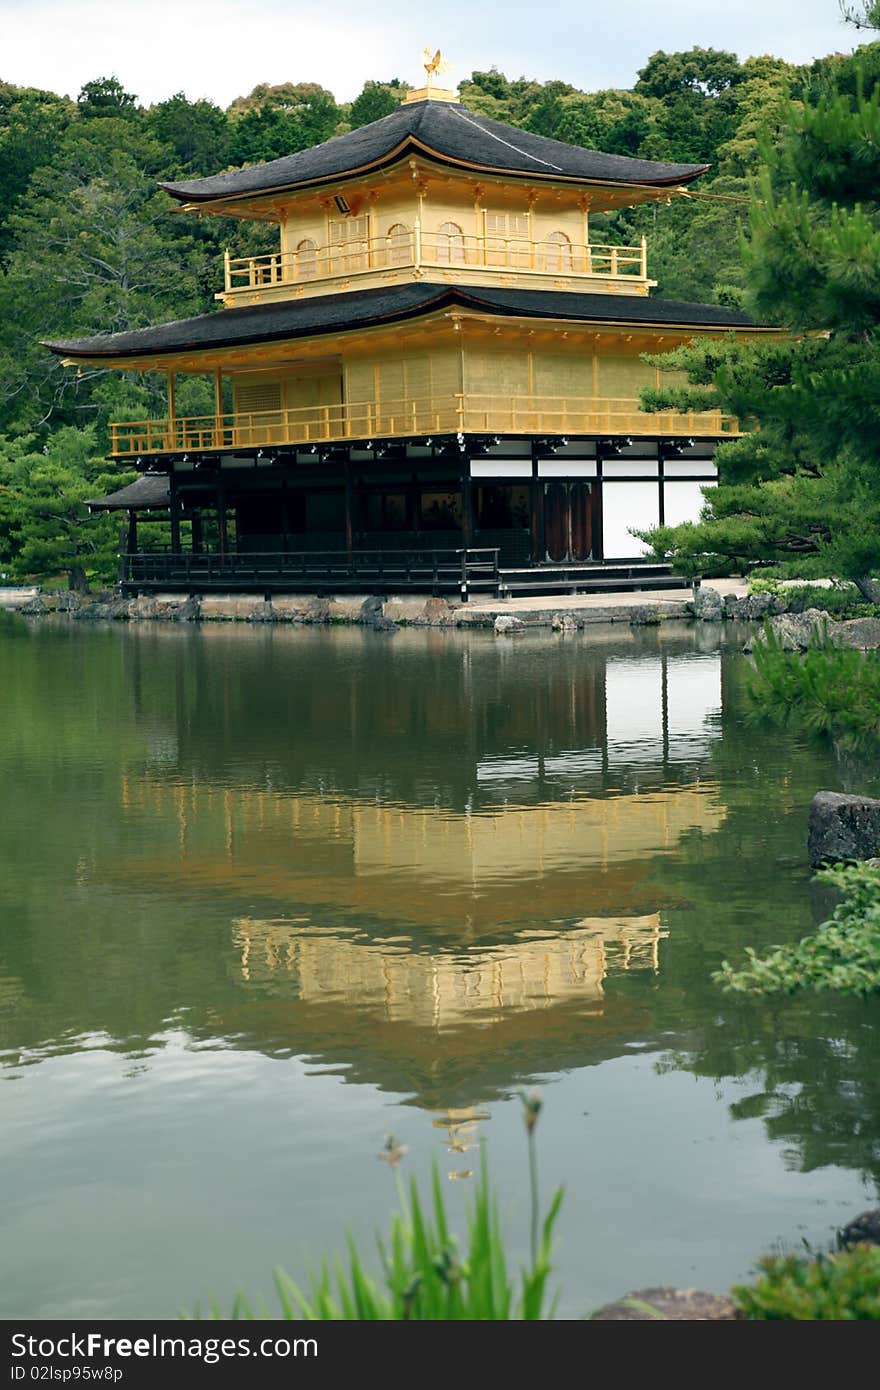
<point>269,894</point>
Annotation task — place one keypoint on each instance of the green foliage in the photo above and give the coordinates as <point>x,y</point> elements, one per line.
<point>425,1275</point>
<point>842,1287</point>
<point>275,121</point>
<point>801,490</point>
<point>377,99</point>
<point>197,132</point>
<point>828,690</point>
<point>760,584</point>
<point>105,96</point>
<point>44,526</point>
<point>843,955</point>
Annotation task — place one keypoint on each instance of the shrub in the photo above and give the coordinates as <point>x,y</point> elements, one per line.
<point>842,1287</point>
<point>844,954</point>
<point>828,689</point>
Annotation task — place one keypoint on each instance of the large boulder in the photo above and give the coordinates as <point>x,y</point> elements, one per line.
<point>506,626</point>
<point>35,607</point>
<point>566,623</point>
<point>858,632</point>
<point>795,631</point>
<point>644,616</point>
<point>668,1305</point>
<point>708,606</point>
<point>862,1230</point>
<point>843,828</point>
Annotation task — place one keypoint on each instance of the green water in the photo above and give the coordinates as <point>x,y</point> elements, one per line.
<point>269,894</point>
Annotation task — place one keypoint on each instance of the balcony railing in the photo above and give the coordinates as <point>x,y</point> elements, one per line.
<point>408,418</point>
<point>413,248</point>
<point>429,568</point>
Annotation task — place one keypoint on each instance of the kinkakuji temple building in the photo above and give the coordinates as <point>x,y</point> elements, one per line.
<point>433,384</point>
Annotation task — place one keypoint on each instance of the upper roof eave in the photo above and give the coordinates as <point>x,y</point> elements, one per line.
<point>447,133</point>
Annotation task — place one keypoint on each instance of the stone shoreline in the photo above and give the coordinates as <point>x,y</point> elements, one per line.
<point>564,613</point>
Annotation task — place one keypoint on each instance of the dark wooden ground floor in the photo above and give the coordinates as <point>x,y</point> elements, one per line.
<point>455,518</point>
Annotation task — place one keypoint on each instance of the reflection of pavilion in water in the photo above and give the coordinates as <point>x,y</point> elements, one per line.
<point>446,949</point>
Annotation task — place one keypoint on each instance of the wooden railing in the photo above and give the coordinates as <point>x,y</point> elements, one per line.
<point>407,418</point>
<point>414,247</point>
<point>423,568</point>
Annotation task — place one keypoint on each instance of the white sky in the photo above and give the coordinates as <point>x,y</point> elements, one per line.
<point>222,48</point>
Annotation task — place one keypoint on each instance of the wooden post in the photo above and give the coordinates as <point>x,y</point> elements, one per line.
<point>174,516</point>
<point>467,507</point>
<point>644,258</point>
<point>196,523</point>
<point>132,542</point>
<point>172,410</point>
<point>218,407</point>
<point>539,548</point>
<point>223,539</point>
<point>349,508</point>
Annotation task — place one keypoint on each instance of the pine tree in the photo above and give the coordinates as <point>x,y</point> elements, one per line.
<point>802,489</point>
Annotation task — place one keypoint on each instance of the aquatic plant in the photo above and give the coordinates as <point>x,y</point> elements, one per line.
<point>840,1287</point>
<point>426,1275</point>
<point>843,954</point>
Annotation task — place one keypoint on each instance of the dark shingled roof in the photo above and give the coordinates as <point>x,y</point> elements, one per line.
<point>448,132</point>
<point>263,323</point>
<point>149,491</point>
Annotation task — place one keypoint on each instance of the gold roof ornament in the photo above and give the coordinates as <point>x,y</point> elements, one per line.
<point>434,64</point>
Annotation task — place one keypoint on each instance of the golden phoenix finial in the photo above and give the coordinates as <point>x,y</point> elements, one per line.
<point>434,64</point>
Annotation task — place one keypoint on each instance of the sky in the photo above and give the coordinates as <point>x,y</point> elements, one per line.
<point>221,49</point>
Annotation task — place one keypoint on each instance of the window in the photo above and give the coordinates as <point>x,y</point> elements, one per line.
<point>507,238</point>
<point>557,254</point>
<point>398,245</point>
<point>450,244</point>
<point>306,267</point>
<point>349,243</point>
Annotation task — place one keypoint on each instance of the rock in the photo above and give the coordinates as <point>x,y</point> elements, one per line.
<point>642,616</point>
<point>565,623</point>
<point>862,1230</point>
<point>384,625</point>
<point>262,612</point>
<point>668,1305</point>
<point>795,631</point>
<point>93,612</point>
<point>188,612</point>
<point>66,601</point>
<point>317,610</point>
<point>708,606</point>
<point>858,632</point>
<point>508,627</point>
<point>843,828</point>
<point>371,610</point>
<point>34,608</point>
<point>438,612</point>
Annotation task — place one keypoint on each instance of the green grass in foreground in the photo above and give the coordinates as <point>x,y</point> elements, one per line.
<point>425,1276</point>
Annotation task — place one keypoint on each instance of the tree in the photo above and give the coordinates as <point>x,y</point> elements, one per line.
<point>802,489</point>
<point>105,96</point>
<point>197,132</point>
<point>377,99</point>
<point>275,121</point>
<point>95,252</point>
<point>31,125</point>
<point>44,525</point>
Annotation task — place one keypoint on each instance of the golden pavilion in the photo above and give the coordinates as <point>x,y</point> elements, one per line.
<point>432,384</point>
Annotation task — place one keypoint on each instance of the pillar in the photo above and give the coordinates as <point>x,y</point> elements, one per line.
<point>467,507</point>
